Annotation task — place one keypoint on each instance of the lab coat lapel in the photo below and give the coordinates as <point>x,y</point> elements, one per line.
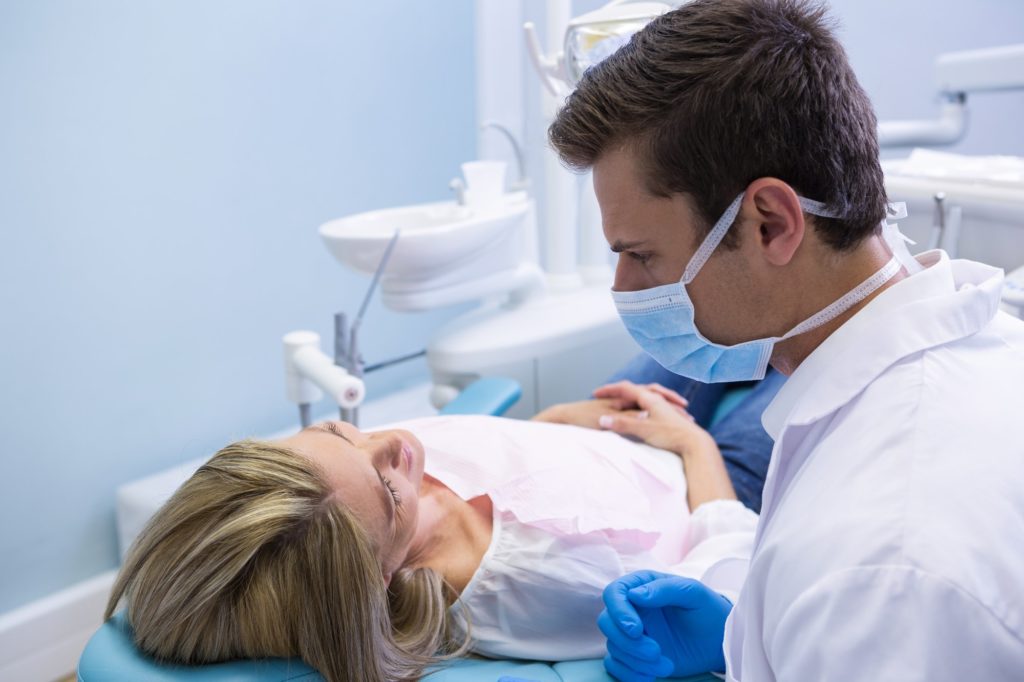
<point>955,300</point>
<point>947,301</point>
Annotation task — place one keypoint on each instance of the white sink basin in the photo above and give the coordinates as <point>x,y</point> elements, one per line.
<point>435,237</point>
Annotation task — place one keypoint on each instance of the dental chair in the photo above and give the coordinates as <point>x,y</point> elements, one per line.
<point>111,656</point>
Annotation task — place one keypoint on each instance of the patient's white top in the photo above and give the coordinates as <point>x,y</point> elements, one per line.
<point>574,509</point>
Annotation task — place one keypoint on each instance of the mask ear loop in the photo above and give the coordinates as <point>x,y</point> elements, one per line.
<point>843,304</point>
<point>893,211</point>
<point>712,241</point>
<point>717,233</point>
<point>896,240</point>
<point>817,208</point>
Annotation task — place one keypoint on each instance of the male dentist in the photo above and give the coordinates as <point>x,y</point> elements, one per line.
<point>735,161</point>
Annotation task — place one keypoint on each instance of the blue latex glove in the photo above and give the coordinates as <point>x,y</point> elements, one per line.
<point>661,625</point>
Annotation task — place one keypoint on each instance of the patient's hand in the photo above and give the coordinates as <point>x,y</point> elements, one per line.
<point>585,413</point>
<point>654,414</point>
<point>625,395</point>
<point>650,412</point>
<point>657,416</point>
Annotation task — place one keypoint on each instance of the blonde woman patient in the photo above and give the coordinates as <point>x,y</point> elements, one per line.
<point>374,554</point>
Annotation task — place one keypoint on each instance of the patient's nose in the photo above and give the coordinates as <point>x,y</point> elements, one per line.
<point>388,449</point>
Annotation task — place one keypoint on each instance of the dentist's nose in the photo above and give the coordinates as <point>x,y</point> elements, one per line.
<point>625,279</point>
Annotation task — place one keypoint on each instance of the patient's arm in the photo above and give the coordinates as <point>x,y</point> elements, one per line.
<point>584,413</point>
<point>661,424</point>
<point>706,476</point>
<point>660,421</point>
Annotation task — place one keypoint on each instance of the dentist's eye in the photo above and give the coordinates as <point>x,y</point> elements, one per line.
<point>641,258</point>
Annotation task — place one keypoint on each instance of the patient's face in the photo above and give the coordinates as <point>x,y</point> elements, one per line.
<point>376,475</point>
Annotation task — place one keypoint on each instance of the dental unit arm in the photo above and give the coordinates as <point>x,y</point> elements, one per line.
<point>309,373</point>
<point>956,74</point>
<point>591,37</point>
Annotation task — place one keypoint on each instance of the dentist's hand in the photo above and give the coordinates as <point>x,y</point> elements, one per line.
<point>661,625</point>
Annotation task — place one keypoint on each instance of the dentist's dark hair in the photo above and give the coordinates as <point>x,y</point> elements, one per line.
<point>717,93</point>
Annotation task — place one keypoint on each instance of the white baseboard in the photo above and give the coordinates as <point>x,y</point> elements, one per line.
<point>42,641</point>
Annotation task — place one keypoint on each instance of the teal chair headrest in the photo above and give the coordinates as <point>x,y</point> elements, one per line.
<point>111,656</point>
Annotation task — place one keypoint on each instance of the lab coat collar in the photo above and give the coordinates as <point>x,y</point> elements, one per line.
<point>946,301</point>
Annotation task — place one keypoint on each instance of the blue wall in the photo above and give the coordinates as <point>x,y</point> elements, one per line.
<point>163,169</point>
<point>893,44</point>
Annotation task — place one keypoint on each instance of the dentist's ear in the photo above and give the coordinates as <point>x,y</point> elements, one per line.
<point>774,208</point>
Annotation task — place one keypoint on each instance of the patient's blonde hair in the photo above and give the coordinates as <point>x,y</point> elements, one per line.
<point>253,558</point>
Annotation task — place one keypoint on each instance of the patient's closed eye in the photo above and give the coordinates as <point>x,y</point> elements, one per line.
<point>395,495</point>
<point>336,430</point>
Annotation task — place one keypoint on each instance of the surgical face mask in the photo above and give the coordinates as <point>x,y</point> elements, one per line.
<point>661,319</point>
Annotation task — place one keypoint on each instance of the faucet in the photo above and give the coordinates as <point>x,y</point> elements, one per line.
<point>459,187</point>
<point>522,182</point>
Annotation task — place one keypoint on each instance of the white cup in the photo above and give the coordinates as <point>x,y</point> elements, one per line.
<point>485,182</point>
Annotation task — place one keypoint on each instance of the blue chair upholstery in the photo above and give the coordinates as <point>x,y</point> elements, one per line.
<point>731,398</point>
<point>111,656</point>
<point>490,395</point>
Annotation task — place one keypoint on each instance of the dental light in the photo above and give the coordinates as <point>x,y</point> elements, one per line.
<point>589,38</point>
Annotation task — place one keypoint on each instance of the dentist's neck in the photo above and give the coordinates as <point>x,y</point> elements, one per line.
<point>837,280</point>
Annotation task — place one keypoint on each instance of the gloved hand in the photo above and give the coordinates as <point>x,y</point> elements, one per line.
<point>661,625</point>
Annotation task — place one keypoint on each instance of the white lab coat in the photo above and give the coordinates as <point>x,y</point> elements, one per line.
<point>891,539</point>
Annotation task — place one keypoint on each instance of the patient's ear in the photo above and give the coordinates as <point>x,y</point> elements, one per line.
<point>387,578</point>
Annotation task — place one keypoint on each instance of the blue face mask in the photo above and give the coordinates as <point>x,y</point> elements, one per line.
<point>661,319</point>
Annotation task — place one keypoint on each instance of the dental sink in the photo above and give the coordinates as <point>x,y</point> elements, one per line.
<point>447,253</point>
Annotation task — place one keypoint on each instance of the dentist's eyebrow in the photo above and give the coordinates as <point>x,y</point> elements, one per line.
<point>619,246</point>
